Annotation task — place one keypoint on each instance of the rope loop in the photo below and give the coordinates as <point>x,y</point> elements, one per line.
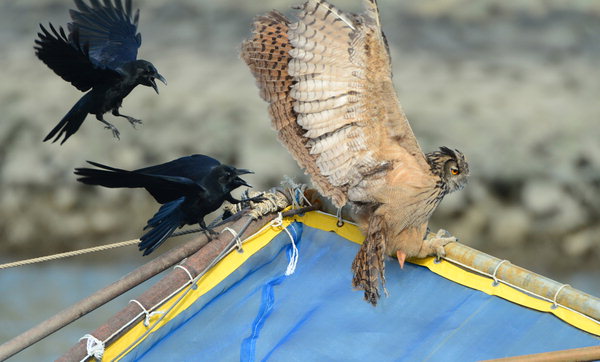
<point>496,281</point>
<point>291,268</point>
<point>278,221</point>
<point>340,220</point>
<point>185,270</point>
<point>147,314</point>
<point>192,279</point>
<point>554,300</point>
<point>236,237</point>
<point>94,346</point>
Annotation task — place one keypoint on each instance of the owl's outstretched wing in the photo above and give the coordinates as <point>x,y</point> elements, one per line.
<point>327,78</point>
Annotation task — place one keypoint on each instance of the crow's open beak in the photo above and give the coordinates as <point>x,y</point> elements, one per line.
<point>153,82</point>
<point>241,171</point>
<point>242,182</point>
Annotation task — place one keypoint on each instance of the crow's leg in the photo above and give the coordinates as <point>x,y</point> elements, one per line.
<point>233,200</point>
<point>132,121</point>
<point>114,129</point>
<point>210,233</point>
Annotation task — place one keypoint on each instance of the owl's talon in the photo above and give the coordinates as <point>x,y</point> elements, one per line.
<point>442,233</point>
<point>434,246</point>
<point>401,258</point>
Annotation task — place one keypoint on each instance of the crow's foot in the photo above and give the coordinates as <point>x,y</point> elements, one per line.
<point>258,198</point>
<point>114,130</point>
<point>210,233</point>
<point>133,121</point>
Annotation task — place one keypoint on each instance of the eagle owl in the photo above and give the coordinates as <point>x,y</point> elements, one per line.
<point>328,82</point>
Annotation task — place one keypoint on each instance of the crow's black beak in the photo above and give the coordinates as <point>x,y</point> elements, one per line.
<point>242,182</point>
<point>241,171</point>
<point>153,82</point>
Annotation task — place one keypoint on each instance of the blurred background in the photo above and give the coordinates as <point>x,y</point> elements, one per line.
<point>514,85</point>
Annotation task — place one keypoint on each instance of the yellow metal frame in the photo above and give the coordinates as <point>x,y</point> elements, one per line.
<point>326,222</point>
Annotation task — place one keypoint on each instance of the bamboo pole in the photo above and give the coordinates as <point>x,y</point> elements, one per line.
<point>576,354</point>
<point>525,279</point>
<point>101,297</point>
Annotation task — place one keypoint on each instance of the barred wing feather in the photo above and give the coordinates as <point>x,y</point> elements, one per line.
<point>327,78</point>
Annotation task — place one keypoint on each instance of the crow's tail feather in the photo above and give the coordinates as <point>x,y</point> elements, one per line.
<point>168,218</point>
<point>110,177</point>
<point>70,123</point>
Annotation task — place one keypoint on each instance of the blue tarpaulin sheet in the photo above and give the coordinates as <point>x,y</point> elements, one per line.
<point>257,313</point>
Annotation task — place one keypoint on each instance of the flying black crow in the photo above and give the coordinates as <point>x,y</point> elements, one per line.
<point>98,56</point>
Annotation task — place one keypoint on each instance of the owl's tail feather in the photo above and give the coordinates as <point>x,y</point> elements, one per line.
<point>368,265</point>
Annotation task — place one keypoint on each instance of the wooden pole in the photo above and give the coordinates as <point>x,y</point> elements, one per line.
<point>525,279</point>
<point>101,297</point>
<point>196,263</point>
<point>576,354</point>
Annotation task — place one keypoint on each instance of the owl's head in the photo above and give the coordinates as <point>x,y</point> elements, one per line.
<point>450,166</point>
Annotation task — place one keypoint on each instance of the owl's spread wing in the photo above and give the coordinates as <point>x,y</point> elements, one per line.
<point>327,78</point>
<point>267,55</point>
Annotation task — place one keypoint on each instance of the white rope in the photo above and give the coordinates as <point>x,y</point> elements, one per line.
<point>147,314</point>
<point>303,197</point>
<point>236,237</point>
<point>496,280</point>
<point>292,192</point>
<point>296,192</point>
<point>291,268</point>
<point>69,254</point>
<point>194,286</point>
<point>94,346</point>
<point>79,252</point>
<point>554,303</point>
<point>338,214</point>
<point>185,270</point>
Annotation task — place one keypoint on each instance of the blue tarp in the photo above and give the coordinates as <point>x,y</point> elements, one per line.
<point>258,313</point>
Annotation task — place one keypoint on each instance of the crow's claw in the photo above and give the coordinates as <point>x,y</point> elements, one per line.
<point>114,130</point>
<point>133,121</point>
<point>258,198</point>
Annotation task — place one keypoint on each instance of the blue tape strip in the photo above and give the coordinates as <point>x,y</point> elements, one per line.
<point>248,348</point>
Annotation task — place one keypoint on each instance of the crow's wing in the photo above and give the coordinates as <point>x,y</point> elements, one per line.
<point>164,188</point>
<point>69,59</point>
<point>109,28</point>
<point>193,167</point>
<point>168,188</point>
<point>166,220</point>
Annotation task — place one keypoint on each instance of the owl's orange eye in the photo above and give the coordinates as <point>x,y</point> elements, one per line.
<point>454,170</point>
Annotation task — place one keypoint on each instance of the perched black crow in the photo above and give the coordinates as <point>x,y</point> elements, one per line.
<point>100,54</point>
<point>189,187</point>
